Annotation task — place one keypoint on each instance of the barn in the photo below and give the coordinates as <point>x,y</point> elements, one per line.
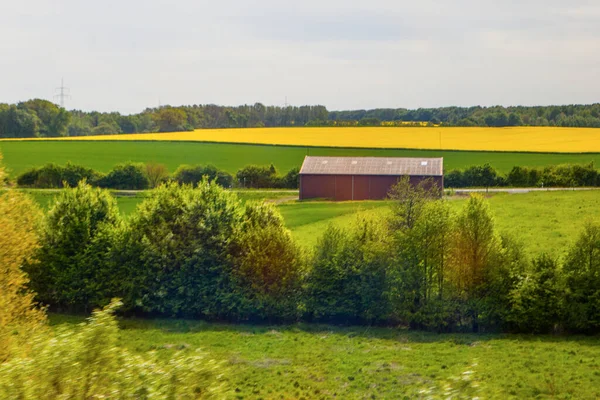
<point>363,178</point>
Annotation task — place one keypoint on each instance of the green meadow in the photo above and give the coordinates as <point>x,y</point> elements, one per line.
<point>544,221</point>
<point>102,156</point>
<point>308,361</point>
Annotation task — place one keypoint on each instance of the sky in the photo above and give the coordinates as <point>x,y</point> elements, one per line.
<point>127,55</point>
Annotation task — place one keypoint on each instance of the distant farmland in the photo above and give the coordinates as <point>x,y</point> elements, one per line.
<point>103,155</point>
<point>529,139</point>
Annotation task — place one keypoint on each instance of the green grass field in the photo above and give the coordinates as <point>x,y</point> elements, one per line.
<point>545,221</point>
<point>102,156</point>
<point>323,362</point>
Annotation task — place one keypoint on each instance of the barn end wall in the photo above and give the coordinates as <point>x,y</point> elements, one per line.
<point>353,187</point>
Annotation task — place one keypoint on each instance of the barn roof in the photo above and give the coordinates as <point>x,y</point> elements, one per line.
<point>372,166</point>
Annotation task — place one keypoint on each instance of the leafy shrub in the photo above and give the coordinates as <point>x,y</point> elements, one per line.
<point>582,282</point>
<point>126,176</point>
<point>55,176</point>
<point>291,180</point>
<point>347,282</point>
<point>87,363</point>
<point>19,319</point>
<point>536,297</point>
<point>156,174</point>
<point>188,174</point>
<point>179,250</point>
<point>74,235</point>
<point>258,177</point>
<point>268,263</point>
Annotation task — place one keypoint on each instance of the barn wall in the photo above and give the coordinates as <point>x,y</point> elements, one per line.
<point>353,187</point>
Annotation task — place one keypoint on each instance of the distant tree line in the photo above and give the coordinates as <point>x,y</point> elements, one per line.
<point>496,116</point>
<point>185,118</point>
<point>199,252</point>
<point>563,175</point>
<point>41,118</point>
<point>140,176</point>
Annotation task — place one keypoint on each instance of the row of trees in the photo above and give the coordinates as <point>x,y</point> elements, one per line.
<point>41,118</point>
<point>200,252</point>
<point>169,119</point>
<point>564,175</point>
<point>139,176</point>
<point>566,116</point>
<point>33,118</point>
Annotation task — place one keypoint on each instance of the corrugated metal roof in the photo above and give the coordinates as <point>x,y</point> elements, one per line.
<point>372,166</point>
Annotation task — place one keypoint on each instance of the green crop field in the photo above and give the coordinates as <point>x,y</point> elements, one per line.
<point>102,156</point>
<point>322,362</point>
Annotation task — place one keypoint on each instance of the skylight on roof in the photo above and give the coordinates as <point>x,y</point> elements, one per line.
<point>423,163</point>
<point>389,163</point>
<point>324,162</point>
<point>354,162</point>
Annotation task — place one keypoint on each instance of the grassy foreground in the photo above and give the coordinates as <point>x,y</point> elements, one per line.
<point>323,362</point>
<point>102,156</point>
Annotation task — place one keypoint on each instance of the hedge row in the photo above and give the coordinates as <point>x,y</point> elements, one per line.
<point>565,175</point>
<point>199,252</point>
<point>138,176</point>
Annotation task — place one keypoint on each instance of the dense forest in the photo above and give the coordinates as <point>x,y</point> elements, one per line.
<point>41,118</point>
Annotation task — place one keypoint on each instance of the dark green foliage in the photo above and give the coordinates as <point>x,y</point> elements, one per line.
<point>180,240</point>
<point>56,176</point>
<point>268,264</point>
<point>74,236</point>
<point>535,299</point>
<point>496,116</point>
<point>348,278</point>
<point>33,118</point>
<point>564,175</point>
<point>255,176</point>
<point>582,282</point>
<point>291,180</point>
<point>188,174</point>
<point>126,176</point>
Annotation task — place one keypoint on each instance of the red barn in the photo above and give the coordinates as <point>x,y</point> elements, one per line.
<point>363,178</point>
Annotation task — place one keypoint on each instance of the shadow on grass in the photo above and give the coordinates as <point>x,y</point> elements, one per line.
<point>186,326</point>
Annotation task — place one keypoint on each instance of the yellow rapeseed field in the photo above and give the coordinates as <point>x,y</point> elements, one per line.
<point>532,139</point>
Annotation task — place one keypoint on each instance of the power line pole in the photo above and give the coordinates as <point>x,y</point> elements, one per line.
<point>286,103</point>
<point>63,93</point>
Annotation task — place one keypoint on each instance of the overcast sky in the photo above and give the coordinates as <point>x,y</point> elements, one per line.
<point>126,55</point>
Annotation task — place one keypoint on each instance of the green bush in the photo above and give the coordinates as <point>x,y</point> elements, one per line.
<point>258,177</point>
<point>269,264</point>
<point>291,180</point>
<point>188,174</point>
<point>74,237</point>
<point>179,244</point>
<point>347,282</point>
<point>535,300</point>
<point>88,363</point>
<point>130,176</point>
<point>582,282</point>
<point>56,176</point>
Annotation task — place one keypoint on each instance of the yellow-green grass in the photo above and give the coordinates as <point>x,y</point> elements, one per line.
<point>102,156</point>
<point>324,362</point>
<point>532,139</point>
<point>544,221</point>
